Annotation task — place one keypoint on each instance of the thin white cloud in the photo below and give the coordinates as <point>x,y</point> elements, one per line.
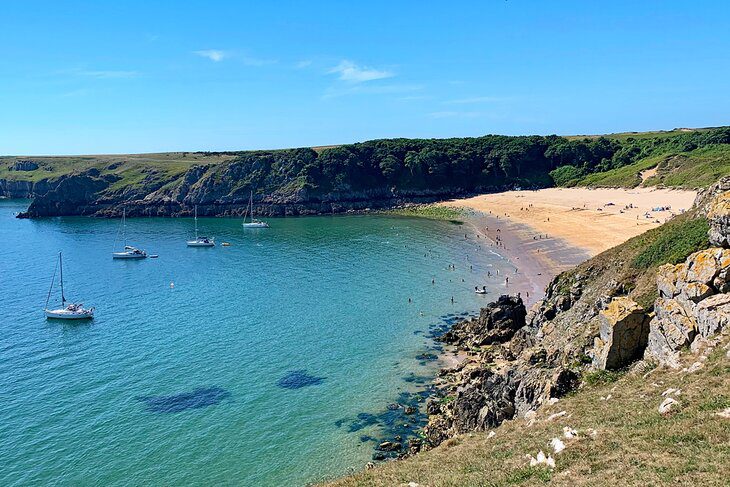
<point>215,55</point>
<point>303,64</point>
<point>351,72</point>
<point>108,74</point>
<point>475,100</point>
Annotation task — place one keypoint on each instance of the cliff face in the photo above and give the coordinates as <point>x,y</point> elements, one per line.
<point>216,191</point>
<point>24,189</point>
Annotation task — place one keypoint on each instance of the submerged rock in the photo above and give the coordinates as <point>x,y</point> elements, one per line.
<point>195,399</point>
<point>297,379</point>
<point>390,446</point>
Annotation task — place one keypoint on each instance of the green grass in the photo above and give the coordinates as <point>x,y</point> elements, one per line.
<point>434,212</point>
<point>696,169</point>
<point>640,135</point>
<point>688,170</point>
<point>622,177</point>
<point>601,377</point>
<point>131,168</point>
<point>678,240</point>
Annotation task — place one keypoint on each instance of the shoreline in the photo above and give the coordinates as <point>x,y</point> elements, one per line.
<point>537,260</point>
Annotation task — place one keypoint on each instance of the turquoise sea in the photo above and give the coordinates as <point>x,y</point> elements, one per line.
<point>271,362</point>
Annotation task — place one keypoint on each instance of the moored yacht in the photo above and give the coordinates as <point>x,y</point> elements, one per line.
<point>200,241</point>
<point>71,311</point>
<point>128,251</point>
<point>254,223</point>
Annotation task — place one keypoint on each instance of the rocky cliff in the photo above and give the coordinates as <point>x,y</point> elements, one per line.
<point>216,191</point>
<point>24,189</point>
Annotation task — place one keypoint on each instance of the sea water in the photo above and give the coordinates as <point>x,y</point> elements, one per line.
<point>271,361</point>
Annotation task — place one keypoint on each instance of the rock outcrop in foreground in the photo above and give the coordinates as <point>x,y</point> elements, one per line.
<point>624,330</point>
<point>504,377</point>
<point>694,297</point>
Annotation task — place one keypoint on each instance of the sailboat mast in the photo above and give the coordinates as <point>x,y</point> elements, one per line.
<point>196,222</point>
<point>63,297</point>
<point>124,226</point>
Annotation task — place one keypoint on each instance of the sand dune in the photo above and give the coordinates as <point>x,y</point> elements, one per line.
<point>583,217</point>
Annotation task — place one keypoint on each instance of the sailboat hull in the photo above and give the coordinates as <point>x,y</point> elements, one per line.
<point>256,225</point>
<point>128,255</point>
<point>196,243</point>
<point>64,314</point>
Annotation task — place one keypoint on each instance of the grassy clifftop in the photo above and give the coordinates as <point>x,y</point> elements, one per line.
<point>129,167</point>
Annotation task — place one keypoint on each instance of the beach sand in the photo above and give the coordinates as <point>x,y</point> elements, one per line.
<point>548,231</point>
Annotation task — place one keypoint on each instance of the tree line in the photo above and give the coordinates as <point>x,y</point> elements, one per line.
<point>468,164</point>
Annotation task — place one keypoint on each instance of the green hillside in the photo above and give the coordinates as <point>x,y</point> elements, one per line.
<point>692,169</point>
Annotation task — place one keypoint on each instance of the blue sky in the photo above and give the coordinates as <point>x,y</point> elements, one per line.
<point>111,77</point>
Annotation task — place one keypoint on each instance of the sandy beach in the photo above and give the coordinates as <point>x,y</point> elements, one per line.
<point>547,231</point>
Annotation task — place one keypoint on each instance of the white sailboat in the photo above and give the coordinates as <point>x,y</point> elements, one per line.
<point>128,252</point>
<point>200,241</point>
<point>72,311</point>
<point>254,223</point>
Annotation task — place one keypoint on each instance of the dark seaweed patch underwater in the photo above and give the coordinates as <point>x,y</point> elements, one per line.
<point>297,379</point>
<point>175,403</point>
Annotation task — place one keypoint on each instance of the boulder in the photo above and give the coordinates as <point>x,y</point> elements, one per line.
<point>667,277</point>
<point>709,267</point>
<point>390,446</point>
<point>713,315</point>
<point>624,330</point>
<point>670,330</point>
<point>497,323</point>
<point>719,217</point>
<point>24,165</point>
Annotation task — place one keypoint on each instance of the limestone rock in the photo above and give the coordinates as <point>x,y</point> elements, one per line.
<point>705,266</point>
<point>624,330</point>
<point>667,278</point>
<point>713,314</point>
<point>719,216</point>
<point>669,331</point>
<point>668,405</point>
